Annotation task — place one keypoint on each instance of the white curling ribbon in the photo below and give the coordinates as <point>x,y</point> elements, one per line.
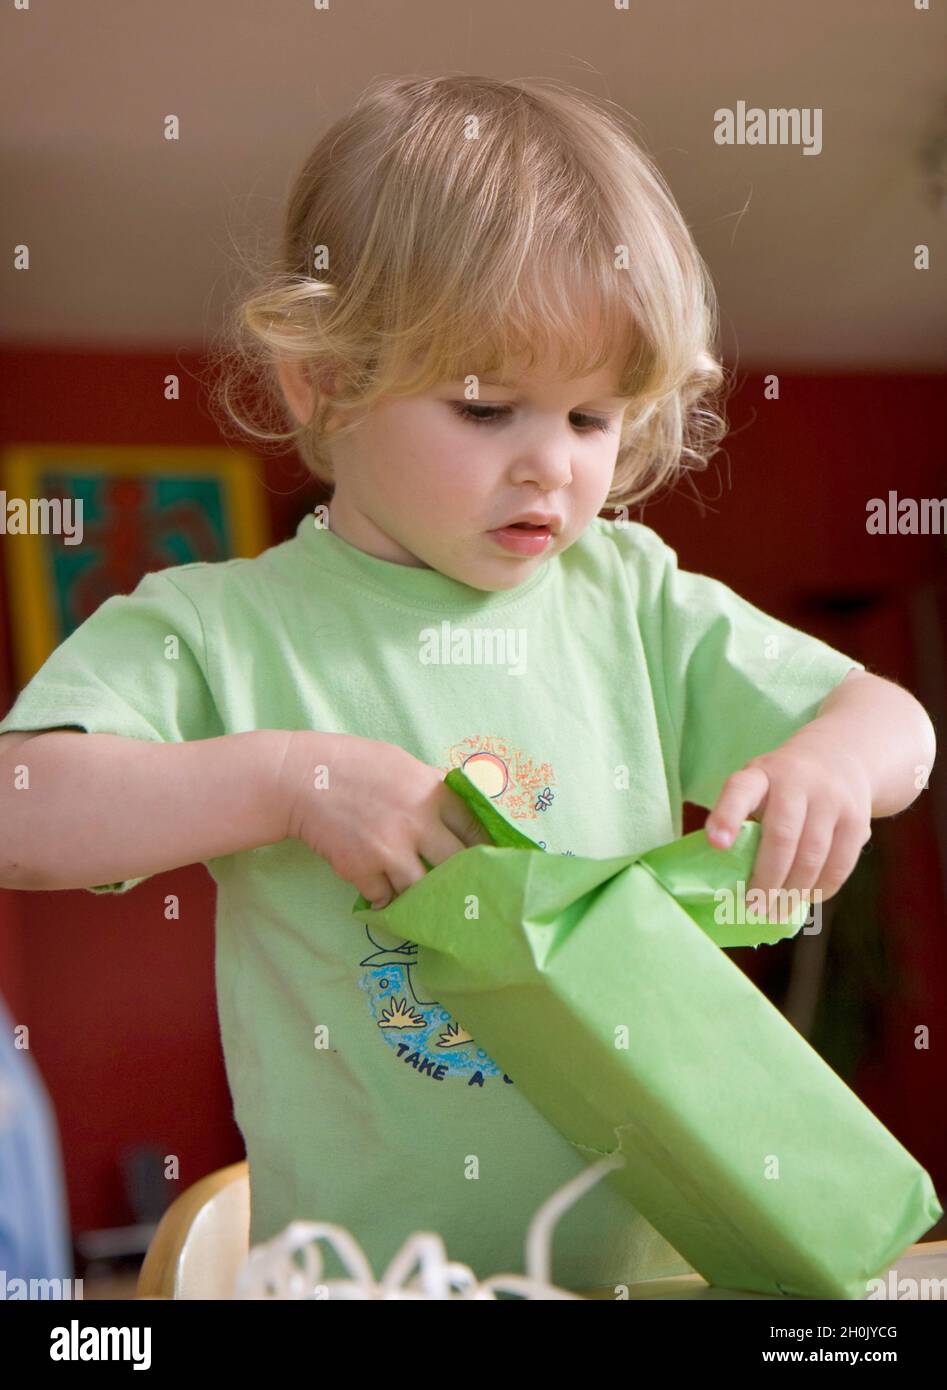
<point>420,1269</point>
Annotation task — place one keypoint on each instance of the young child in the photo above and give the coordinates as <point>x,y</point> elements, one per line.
<point>489,324</point>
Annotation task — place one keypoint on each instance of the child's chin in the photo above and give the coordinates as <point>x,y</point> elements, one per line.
<point>494,578</point>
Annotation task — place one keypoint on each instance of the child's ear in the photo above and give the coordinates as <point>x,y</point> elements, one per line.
<point>297,389</point>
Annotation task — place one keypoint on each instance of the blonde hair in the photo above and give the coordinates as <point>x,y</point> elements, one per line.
<point>449,225</point>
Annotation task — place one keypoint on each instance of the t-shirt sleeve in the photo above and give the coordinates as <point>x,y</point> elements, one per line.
<point>736,681</point>
<point>136,666</point>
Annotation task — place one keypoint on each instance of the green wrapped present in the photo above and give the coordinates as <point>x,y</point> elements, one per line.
<point>600,987</point>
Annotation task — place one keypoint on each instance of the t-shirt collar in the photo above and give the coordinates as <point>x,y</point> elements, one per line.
<point>407,586</point>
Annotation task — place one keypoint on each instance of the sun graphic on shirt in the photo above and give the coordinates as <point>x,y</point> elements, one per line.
<point>522,788</point>
<point>488,773</point>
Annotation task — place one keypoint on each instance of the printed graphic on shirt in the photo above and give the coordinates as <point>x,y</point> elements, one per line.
<point>421,1032</point>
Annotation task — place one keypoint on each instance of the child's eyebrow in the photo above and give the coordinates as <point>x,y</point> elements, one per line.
<point>514,385</point>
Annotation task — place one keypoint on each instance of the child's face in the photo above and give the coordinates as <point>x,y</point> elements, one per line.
<point>420,482</point>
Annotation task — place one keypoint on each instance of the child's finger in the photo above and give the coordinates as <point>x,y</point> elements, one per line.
<point>378,891</point>
<point>783,823</point>
<point>458,817</point>
<point>440,845</point>
<point>849,840</point>
<point>742,792</point>
<point>813,851</point>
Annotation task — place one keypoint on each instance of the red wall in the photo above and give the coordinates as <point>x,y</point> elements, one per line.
<point>121,1003</point>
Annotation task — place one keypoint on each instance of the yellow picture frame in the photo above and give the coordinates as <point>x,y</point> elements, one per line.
<point>152,506</point>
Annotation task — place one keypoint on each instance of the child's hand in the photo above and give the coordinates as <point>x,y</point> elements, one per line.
<point>815,804</point>
<point>381,812</point>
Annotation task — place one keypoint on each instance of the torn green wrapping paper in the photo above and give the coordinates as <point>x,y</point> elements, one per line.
<point>742,1147</point>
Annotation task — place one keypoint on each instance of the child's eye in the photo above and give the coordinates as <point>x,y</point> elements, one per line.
<point>489,414</point>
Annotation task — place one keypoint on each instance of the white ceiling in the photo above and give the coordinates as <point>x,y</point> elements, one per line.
<point>132,237</point>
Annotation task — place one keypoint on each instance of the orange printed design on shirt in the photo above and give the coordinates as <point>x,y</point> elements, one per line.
<point>518,785</point>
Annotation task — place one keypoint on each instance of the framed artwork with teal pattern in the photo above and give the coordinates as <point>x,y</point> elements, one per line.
<point>85,521</point>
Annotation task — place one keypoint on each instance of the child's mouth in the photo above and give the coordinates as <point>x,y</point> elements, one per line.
<point>522,538</point>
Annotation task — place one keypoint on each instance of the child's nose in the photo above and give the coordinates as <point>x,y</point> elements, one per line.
<point>546,461</point>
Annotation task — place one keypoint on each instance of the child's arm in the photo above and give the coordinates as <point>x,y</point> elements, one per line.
<point>867,753</point>
<point>100,808</point>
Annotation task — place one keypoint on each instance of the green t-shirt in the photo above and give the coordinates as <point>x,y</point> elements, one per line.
<point>588,703</point>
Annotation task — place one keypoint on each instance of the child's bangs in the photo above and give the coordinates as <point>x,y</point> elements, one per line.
<point>556,323</point>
